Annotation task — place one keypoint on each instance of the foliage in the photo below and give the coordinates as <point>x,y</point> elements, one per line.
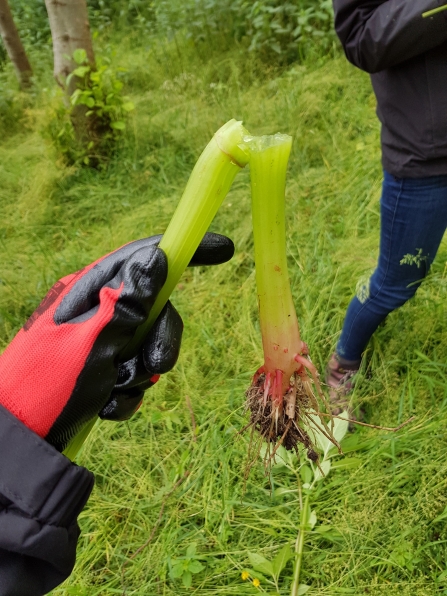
<point>31,19</point>
<point>387,494</point>
<point>272,568</point>
<point>100,91</point>
<point>274,30</point>
<point>185,567</point>
<point>12,105</point>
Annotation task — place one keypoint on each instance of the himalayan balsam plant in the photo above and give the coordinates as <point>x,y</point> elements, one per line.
<point>281,395</point>
<point>281,392</point>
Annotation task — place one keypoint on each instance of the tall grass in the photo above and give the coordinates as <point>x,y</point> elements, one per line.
<point>380,513</point>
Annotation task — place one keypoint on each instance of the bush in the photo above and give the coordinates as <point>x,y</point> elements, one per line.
<point>31,19</point>
<point>104,112</point>
<point>275,30</point>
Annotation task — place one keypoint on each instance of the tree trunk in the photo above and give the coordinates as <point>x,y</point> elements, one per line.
<point>70,31</point>
<point>14,47</point>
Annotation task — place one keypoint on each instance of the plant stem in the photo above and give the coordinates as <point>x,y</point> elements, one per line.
<point>279,325</point>
<point>430,13</point>
<point>77,441</point>
<point>209,183</point>
<point>299,547</point>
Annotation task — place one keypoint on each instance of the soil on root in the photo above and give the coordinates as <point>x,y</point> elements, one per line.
<point>281,428</point>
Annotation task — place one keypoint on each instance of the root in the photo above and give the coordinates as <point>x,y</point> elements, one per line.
<point>280,421</point>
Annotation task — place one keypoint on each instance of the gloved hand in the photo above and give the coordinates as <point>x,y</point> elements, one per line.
<point>64,366</point>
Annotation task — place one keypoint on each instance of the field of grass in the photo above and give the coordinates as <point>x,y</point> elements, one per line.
<point>174,476</point>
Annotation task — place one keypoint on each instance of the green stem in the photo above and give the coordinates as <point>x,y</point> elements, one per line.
<point>77,441</point>
<point>279,325</point>
<point>299,547</point>
<point>430,13</point>
<point>209,183</point>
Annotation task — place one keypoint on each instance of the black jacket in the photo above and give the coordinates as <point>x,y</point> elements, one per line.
<point>407,58</point>
<point>41,495</point>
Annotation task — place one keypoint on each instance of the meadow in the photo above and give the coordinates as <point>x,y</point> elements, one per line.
<point>171,484</point>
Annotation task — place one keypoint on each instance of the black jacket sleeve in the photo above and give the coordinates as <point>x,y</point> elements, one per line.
<point>41,495</point>
<point>378,34</point>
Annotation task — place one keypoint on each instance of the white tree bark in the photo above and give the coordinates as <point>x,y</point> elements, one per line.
<point>70,31</point>
<point>14,46</point>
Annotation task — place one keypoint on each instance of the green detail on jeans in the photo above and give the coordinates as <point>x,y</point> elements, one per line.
<point>418,259</point>
<point>362,289</point>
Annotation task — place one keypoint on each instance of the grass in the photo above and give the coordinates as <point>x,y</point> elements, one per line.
<point>383,506</point>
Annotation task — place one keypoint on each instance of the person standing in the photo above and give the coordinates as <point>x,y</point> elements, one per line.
<point>406,57</point>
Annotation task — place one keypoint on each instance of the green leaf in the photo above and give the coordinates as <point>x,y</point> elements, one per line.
<point>120,125</point>
<point>346,463</point>
<point>340,427</point>
<point>79,56</point>
<point>128,106</point>
<point>191,550</point>
<point>325,467</point>
<point>281,559</point>
<point>177,570</point>
<point>312,520</point>
<point>442,577</point>
<point>282,490</point>
<point>81,71</point>
<point>339,430</point>
<point>260,563</point>
<point>156,416</point>
<point>306,474</point>
<point>195,567</point>
<point>175,418</point>
<point>74,96</point>
<point>187,579</point>
<point>302,589</point>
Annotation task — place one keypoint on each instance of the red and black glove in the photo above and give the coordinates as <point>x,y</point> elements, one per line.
<point>64,366</point>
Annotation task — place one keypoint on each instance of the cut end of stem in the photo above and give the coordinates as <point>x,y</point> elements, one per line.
<point>258,144</point>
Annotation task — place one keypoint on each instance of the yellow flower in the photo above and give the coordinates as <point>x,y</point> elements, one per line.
<point>245,575</point>
<point>256,582</point>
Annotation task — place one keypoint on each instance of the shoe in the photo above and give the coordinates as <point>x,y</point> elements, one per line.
<point>340,380</point>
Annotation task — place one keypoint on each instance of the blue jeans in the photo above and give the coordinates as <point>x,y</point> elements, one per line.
<point>413,221</point>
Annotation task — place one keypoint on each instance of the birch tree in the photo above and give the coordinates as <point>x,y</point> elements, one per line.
<point>70,31</point>
<point>14,46</point>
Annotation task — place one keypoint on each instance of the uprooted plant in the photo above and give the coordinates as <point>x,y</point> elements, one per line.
<point>285,390</point>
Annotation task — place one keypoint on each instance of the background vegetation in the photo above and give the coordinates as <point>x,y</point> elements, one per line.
<point>381,512</point>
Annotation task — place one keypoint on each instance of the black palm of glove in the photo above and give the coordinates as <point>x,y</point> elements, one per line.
<point>65,366</point>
